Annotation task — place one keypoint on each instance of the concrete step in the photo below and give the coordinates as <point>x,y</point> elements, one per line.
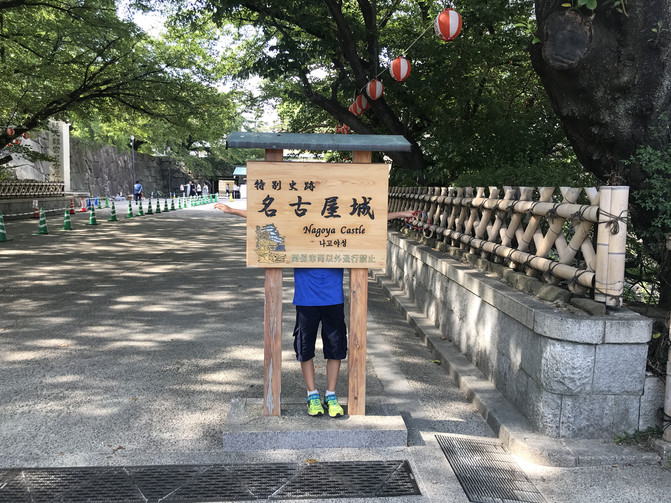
<point>247,429</point>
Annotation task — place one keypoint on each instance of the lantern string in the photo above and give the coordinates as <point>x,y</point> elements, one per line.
<point>403,52</point>
<point>363,89</point>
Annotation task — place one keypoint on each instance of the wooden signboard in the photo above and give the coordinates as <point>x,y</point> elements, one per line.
<point>345,200</point>
<point>302,214</point>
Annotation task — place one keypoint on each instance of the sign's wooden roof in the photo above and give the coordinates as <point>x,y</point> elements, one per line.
<point>300,141</point>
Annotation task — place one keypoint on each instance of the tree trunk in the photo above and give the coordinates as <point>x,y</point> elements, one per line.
<point>608,77</point>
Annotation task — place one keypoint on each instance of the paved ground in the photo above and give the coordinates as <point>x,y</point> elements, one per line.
<point>124,343</point>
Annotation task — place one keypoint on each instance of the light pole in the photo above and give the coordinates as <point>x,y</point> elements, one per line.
<point>132,161</point>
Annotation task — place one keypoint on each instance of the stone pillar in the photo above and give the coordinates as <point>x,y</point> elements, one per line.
<point>59,148</point>
<point>65,154</point>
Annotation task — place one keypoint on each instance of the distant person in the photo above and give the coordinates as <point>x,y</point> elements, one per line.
<point>137,191</point>
<point>188,189</point>
<point>199,190</point>
<point>193,188</point>
<point>206,189</point>
<point>181,189</point>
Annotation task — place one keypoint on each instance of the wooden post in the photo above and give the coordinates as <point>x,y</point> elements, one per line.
<point>358,317</point>
<point>272,329</point>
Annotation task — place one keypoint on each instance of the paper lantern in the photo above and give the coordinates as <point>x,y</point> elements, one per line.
<point>400,69</point>
<point>338,130</point>
<point>447,25</point>
<point>345,129</point>
<point>26,135</point>
<point>356,109</point>
<point>362,103</point>
<point>17,141</point>
<point>374,89</point>
<point>10,131</point>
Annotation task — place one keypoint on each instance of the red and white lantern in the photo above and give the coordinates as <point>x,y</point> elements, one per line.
<point>337,130</point>
<point>362,103</point>
<point>374,89</point>
<point>345,129</point>
<point>9,131</point>
<point>26,135</point>
<point>354,108</point>
<point>17,141</point>
<point>447,25</point>
<point>400,69</point>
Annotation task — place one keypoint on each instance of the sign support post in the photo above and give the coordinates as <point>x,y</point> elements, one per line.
<point>358,314</point>
<point>272,328</point>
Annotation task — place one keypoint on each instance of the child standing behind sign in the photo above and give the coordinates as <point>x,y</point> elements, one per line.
<point>319,298</point>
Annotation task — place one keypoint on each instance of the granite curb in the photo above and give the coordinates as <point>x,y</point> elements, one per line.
<point>512,428</point>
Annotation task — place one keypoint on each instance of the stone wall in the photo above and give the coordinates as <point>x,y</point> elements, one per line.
<point>105,170</point>
<point>573,374</point>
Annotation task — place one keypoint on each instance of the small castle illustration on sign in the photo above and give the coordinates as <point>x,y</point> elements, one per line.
<point>270,244</point>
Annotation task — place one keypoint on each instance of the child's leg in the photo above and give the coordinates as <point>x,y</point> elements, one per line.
<point>305,335</point>
<point>332,371</point>
<point>334,338</point>
<point>308,369</point>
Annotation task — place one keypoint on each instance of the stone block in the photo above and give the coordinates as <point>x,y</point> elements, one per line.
<point>544,410</point>
<point>566,367</point>
<point>513,304</point>
<point>503,374</point>
<point>625,413</point>
<point>562,325</point>
<point>517,342</point>
<point>586,416</point>
<point>551,293</point>
<point>628,329</point>
<point>590,306</point>
<point>652,402</point>
<point>620,368</point>
<point>497,269</point>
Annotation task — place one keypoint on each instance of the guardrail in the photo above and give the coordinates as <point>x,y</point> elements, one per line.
<point>539,231</point>
<point>24,189</point>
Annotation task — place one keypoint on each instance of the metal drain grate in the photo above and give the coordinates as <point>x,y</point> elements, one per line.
<point>190,484</point>
<point>486,472</point>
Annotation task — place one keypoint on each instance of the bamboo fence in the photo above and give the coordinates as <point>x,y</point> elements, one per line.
<point>540,231</point>
<point>25,189</point>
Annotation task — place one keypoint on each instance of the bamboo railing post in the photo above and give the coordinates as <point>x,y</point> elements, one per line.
<point>272,329</point>
<point>611,245</point>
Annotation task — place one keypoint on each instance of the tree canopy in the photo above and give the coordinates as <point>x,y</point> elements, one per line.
<point>78,61</point>
<point>468,105</point>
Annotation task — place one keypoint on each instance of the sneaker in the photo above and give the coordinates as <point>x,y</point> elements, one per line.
<point>315,405</point>
<point>334,408</point>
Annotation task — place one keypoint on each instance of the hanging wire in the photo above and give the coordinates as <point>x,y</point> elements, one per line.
<point>403,52</point>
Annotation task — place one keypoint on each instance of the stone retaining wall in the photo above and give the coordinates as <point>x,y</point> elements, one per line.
<point>573,374</point>
<point>104,171</point>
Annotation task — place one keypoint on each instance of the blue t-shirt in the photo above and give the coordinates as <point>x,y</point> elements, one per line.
<point>137,188</point>
<point>318,287</point>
